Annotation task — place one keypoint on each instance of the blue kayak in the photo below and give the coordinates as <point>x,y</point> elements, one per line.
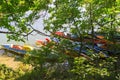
<point>98,49</point>
<point>7,47</point>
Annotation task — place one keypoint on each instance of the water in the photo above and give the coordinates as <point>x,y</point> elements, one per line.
<point>31,39</point>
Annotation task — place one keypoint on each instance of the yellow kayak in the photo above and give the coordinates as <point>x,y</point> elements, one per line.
<point>27,48</point>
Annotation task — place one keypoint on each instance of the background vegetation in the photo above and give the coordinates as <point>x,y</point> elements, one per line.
<point>80,17</point>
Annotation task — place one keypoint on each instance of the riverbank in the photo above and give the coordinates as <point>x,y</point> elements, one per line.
<point>10,62</point>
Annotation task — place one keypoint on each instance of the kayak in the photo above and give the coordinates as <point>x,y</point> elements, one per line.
<point>14,49</point>
<point>27,48</point>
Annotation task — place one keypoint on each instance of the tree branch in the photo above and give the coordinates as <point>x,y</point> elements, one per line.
<point>38,31</point>
<point>28,33</point>
<point>104,23</point>
<point>6,32</point>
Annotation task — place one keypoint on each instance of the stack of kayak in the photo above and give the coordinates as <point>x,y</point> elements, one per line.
<point>17,48</point>
<point>98,43</point>
<point>42,42</point>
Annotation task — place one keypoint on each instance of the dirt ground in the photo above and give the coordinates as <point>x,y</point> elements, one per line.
<point>10,62</point>
<point>13,61</point>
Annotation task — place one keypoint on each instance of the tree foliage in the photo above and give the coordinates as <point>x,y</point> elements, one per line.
<point>84,16</point>
<point>80,17</point>
<point>16,15</point>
